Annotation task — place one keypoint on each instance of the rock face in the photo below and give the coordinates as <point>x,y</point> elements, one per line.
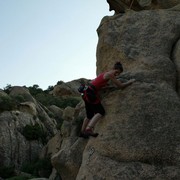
<point>140,133</point>
<point>69,158</point>
<point>176,57</point>
<point>120,6</point>
<point>14,148</point>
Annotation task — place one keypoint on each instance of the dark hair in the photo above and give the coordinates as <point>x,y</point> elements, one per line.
<point>118,65</point>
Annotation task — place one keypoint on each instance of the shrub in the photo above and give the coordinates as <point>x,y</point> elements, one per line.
<point>59,125</point>
<point>19,98</point>
<point>7,88</point>
<point>70,101</point>
<point>34,90</point>
<point>51,115</point>
<point>34,132</point>
<point>30,168</point>
<point>6,172</point>
<point>49,89</point>
<point>22,97</point>
<point>7,103</point>
<point>59,82</point>
<point>18,178</point>
<point>37,165</point>
<point>41,117</point>
<point>44,164</point>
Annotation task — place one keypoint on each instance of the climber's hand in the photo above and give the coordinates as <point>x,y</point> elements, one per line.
<point>131,81</point>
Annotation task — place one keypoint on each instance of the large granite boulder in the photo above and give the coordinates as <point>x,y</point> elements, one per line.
<point>140,134</point>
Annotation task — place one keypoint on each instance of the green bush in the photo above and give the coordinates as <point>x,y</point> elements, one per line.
<point>6,172</point>
<point>37,165</point>
<point>30,168</point>
<point>22,97</point>
<point>18,178</point>
<point>51,115</point>
<point>41,117</point>
<point>44,164</point>
<point>7,88</point>
<point>35,90</point>
<point>59,125</point>
<point>19,98</point>
<point>34,132</point>
<point>70,101</point>
<point>7,103</point>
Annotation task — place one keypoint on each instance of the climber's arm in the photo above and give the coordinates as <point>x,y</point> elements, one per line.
<point>119,84</point>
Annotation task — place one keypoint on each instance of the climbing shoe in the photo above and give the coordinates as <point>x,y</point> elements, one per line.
<point>83,135</point>
<point>89,132</point>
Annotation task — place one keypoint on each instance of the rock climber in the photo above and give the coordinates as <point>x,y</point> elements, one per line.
<point>93,106</point>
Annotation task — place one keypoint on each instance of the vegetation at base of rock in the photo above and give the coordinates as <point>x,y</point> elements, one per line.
<point>7,103</point>
<point>34,132</point>
<point>59,122</point>
<point>18,178</point>
<point>6,172</point>
<point>38,165</point>
<point>32,168</point>
<point>41,117</point>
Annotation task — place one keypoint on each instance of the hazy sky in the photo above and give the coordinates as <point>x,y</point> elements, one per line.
<point>45,41</point>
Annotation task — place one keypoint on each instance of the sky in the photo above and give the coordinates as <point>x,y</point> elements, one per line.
<point>46,41</point>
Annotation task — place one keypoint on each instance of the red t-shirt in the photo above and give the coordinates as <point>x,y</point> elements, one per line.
<point>99,82</point>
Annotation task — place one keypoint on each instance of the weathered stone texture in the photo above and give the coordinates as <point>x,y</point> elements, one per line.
<point>15,149</point>
<point>121,6</point>
<point>139,137</point>
<point>140,134</point>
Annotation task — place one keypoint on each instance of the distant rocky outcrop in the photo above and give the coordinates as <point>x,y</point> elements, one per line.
<point>15,148</point>
<point>30,130</point>
<point>139,135</point>
<point>68,89</point>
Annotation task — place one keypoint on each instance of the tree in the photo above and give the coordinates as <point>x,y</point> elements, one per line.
<point>7,88</point>
<point>59,82</point>
<point>50,88</point>
<point>34,90</point>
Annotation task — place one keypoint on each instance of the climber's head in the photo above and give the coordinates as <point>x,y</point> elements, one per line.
<point>118,67</point>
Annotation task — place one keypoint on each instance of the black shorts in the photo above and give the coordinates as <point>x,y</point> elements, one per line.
<point>92,109</point>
